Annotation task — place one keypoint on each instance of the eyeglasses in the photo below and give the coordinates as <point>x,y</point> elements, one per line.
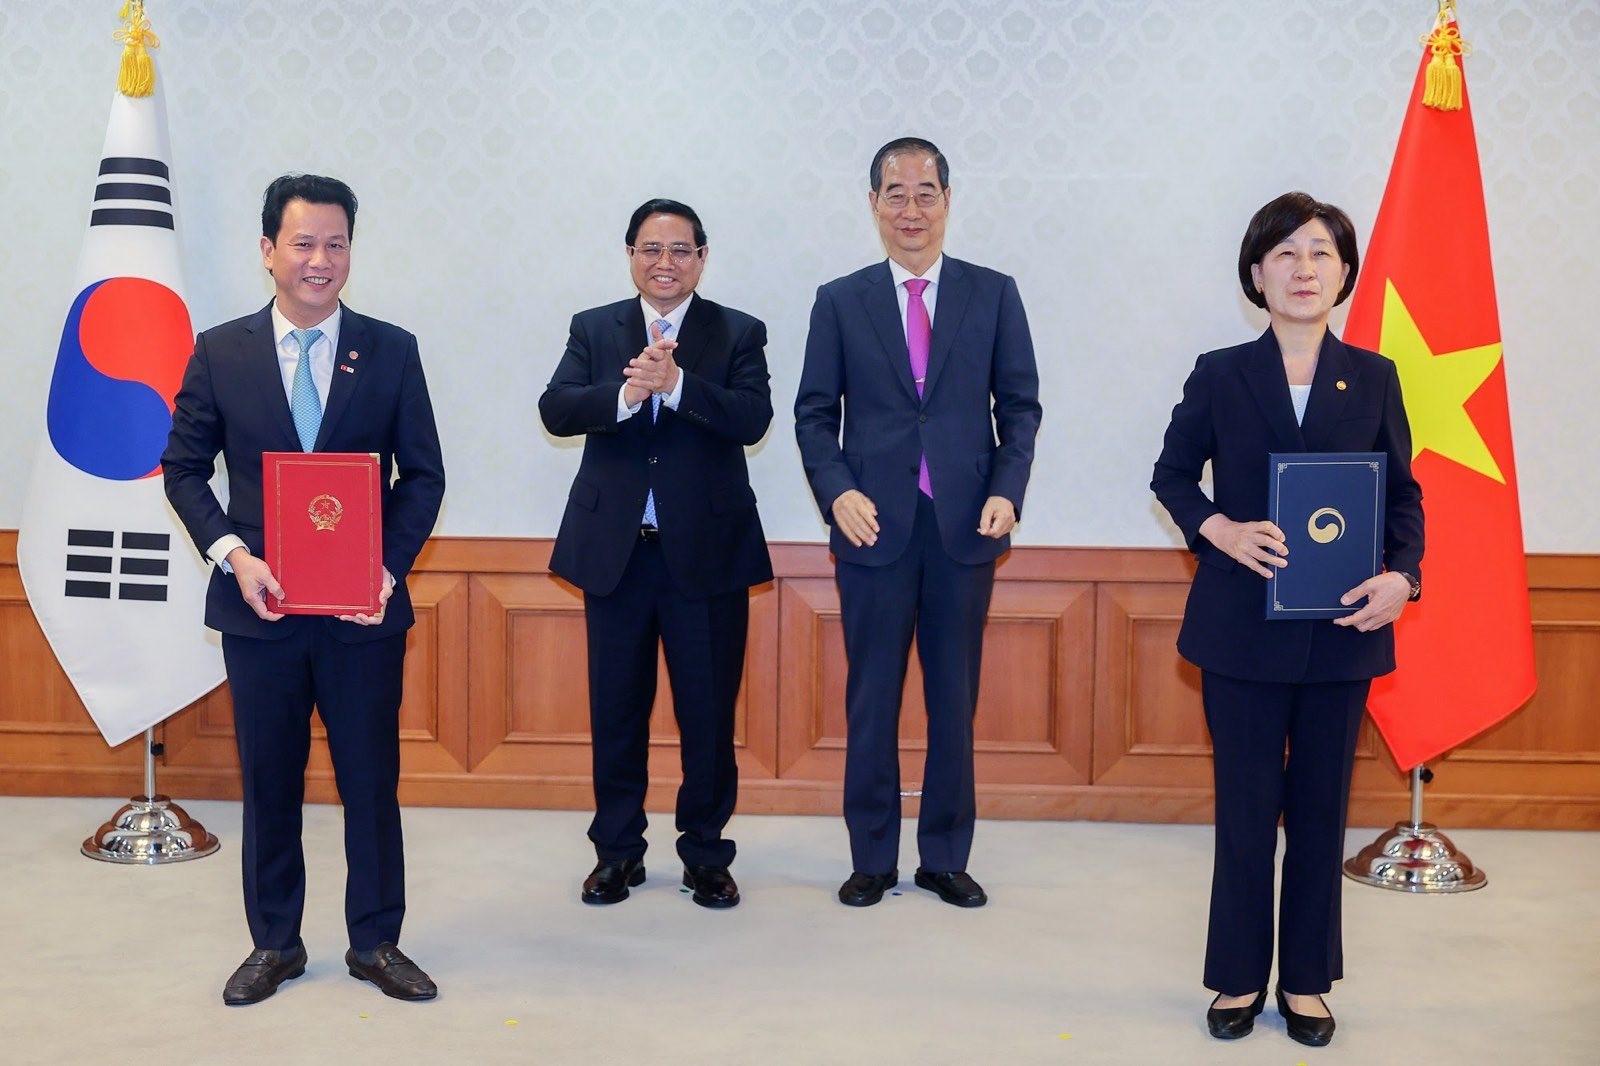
<point>924,200</point>
<point>678,253</point>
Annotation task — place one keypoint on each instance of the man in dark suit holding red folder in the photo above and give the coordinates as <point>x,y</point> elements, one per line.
<point>305,373</point>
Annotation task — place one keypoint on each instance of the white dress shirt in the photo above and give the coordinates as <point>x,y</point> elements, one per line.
<point>322,359</point>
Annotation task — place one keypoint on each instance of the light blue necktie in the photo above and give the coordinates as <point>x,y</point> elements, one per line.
<point>304,404</point>
<point>655,412</point>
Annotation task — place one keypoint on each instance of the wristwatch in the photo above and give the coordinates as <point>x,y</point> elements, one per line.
<point>1415,583</point>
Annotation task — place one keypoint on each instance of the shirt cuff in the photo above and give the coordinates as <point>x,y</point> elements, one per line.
<point>672,398</point>
<point>624,412</point>
<point>218,552</point>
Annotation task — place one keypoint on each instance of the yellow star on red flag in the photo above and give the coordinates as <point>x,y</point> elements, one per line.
<point>1437,388</point>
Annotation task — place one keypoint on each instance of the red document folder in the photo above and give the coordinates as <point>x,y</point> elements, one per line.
<point>324,531</point>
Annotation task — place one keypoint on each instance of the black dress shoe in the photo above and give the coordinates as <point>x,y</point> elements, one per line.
<point>610,880</point>
<point>1305,1028</point>
<point>955,888</point>
<point>260,975</point>
<point>863,890</point>
<point>395,975</point>
<point>713,885</point>
<point>1230,1023</point>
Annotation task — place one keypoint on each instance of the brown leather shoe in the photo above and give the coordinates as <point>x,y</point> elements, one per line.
<point>259,975</point>
<point>395,975</point>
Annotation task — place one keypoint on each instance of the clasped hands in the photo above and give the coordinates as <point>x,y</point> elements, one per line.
<point>651,371</point>
<point>857,517</point>
<point>1259,545</point>
<point>256,580</point>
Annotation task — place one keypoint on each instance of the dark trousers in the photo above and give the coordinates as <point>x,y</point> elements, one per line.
<point>356,691</point>
<point>945,604</point>
<point>704,643</point>
<point>1250,723</point>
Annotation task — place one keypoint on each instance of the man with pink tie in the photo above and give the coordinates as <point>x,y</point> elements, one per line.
<point>922,482</point>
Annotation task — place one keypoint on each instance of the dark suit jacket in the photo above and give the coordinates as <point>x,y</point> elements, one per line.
<point>982,380</point>
<point>1235,410</point>
<point>233,401</point>
<point>693,457</point>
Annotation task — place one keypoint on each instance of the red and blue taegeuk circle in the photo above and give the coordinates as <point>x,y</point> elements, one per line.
<point>123,350</point>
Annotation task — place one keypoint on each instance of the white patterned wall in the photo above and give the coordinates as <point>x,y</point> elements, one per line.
<point>1107,153</point>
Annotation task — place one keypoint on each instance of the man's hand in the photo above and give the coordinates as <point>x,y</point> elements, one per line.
<point>1257,545</point>
<point>998,517</point>
<point>652,370</point>
<point>255,581</point>
<point>857,518</point>
<point>1386,595</point>
<point>383,604</point>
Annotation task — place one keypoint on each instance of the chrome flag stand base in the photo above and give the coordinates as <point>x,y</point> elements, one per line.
<point>1414,856</point>
<point>150,830</point>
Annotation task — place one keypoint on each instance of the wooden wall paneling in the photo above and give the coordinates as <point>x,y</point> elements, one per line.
<point>530,695</point>
<point>1086,710</point>
<point>1149,728</point>
<point>1037,684</point>
<point>529,712</point>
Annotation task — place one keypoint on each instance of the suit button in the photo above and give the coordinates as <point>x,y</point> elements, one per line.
<point>651,460</point>
<point>922,418</point>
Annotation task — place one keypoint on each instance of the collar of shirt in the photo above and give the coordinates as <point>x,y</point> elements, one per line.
<point>675,316</point>
<point>930,295</point>
<point>321,351</point>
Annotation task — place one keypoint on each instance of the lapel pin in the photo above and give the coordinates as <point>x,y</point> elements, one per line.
<point>348,369</point>
<point>354,356</point>
<point>1341,386</point>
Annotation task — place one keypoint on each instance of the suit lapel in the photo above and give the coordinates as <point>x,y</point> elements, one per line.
<point>695,333</point>
<point>1331,389</point>
<point>351,362</point>
<point>266,376</point>
<point>949,309</point>
<point>1263,373</point>
<point>882,305</point>
<point>628,338</point>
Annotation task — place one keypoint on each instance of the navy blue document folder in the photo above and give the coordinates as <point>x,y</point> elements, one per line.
<point>1330,508</point>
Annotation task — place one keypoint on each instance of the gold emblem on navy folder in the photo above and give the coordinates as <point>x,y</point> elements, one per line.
<point>1327,531</point>
<point>1330,507</point>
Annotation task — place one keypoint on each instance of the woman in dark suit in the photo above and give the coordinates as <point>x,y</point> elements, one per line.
<point>1296,684</point>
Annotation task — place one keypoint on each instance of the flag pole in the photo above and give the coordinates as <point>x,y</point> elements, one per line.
<point>1415,856</point>
<point>150,830</point>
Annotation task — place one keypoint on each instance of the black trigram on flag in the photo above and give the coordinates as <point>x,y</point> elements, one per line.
<point>94,564</point>
<point>132,192</point>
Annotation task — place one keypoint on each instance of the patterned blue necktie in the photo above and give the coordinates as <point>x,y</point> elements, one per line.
<point>304,404</point>
<point>655,412</point>
<point>655,398</point>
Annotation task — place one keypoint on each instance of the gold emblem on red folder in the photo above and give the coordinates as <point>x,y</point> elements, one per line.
<point>325,512</point>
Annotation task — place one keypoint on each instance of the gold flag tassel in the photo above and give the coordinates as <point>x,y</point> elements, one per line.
<point>1443,89</point>
<point>138,75</point>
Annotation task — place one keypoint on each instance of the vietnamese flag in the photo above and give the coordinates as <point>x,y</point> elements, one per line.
<point>1426,300</point>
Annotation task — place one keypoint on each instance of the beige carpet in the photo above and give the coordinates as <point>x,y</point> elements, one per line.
<point>1089,952</point>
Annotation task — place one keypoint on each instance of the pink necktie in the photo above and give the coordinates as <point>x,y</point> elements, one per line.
<point>919,336</point>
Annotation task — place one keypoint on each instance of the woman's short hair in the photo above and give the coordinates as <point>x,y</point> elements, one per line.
<point>1281,217</point>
